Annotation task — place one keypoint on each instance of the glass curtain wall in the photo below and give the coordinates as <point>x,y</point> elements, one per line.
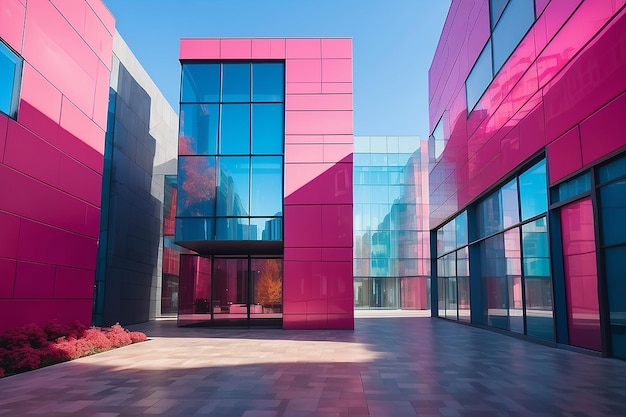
<point>231,146</point>
<point>391,243</point>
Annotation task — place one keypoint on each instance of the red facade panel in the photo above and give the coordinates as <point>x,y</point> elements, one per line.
<point>565,75</point>
<point>52,159</point>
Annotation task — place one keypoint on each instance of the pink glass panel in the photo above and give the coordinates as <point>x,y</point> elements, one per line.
<point>10,235</point>
<point>98,37</point>
<point>303,71</point>
<point>305,226</point>
<point>603,132</point>
<point>581,281</point>
<point>304,48</point>
<point>73,282</point>
<point>564,155</point>
<point>337,48</point>
<point>330,88</point>
<point>318,122</point>
<point>337,221</point>
<point>34,280</point>
<point>12,14</point>
<point>199,49</point>
<point>7,272</point>
<point>103,14</point>
<point>319,101</point>
<point>236,48</point>
<point>336,70</point>
<point>75,122</point>
<point>298,153</point>
<point>303,88</point>
<point>40,94</point>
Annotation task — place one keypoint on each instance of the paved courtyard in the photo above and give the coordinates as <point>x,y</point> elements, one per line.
<point>389,366</point>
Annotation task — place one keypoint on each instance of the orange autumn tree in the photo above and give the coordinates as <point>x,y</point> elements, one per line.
<point>269,290</point>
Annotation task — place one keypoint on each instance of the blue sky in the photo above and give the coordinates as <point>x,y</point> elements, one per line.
<point>393,45</point>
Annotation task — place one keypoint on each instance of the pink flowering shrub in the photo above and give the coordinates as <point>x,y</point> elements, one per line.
<point>31,347</point>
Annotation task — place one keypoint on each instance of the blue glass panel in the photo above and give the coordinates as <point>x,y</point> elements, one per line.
<point>236,82</point>
<point>616,283</point>
<point>267,186</point>
<point>233,189</point>
<point>232,228</point>
<point>513,25</point>
<point>201,83</point>
<point>268,128</point>
<point>539,307</point>
<point>196,190</point>
<point>198,129</point>
<point>496,7</point>
<point>613,213</point>
<point>10,75</point>
<point>574,187</point>
<point>266,228</point>
<point>479,78</point>
<point>461,229</point>
<point>235,129</point>
<point>509,203</point>
<point>268,81</point>
<point>612,170</point>
<point>190,229</point>
<point>489,215</point>
<point>533,189</point>
<point>535,248</point>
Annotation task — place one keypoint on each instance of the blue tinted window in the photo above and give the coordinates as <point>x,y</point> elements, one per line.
<point>461,229</point>
<point>266,228</point>
<point>10,76</point>
<point>612,170</point>
<point>232,228</point>
<point>489,215</point>
<point>535,248</point>
<point>613,213</point>
<point>236,82</point>
<point>573,187</point>
<point>198,129</point>
<point>616,284</point>
<point>518,16</point>
<point>496,7</point>
<point>479,78</point>
<point>268,81</point>
<point>235,129</point>
<point>196,192</point>
<point>201,83</point>
<point>267,186</point>
<point>534,191</point>
<point>267,128</point>
<point>233,190</point>
<point>189,229</point>
<point>510,204</point>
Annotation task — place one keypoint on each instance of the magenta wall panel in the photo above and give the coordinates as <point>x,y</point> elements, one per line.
<point>317,286</point>
<point>561,81</point>
<point>12,15</point>
<point>52,158</point>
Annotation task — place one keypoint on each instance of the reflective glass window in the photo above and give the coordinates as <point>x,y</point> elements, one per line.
<point>268,81</point>
<point>198,129</point>
<point>489,215</point>
<point>262,228</point>
<point>235,129</point>
<point>233,190</point>
<point>573,187</point>
<point>236,82</point>
<point>613,213</point>
<point>510,205</point>
<point>267,128</point>
<point>232,228</point>
<point>201,83</point>
<point>496,7</point>
<point>10,77</point>
<point>190,229</point>
<point>479,78</point>
<point>515,21</point>
<point>196,190</point>
<point>495,282</point>
<point>612,170</point>
<point>533,191</point>
<point>616,283</point>
<point>535,248</point>
<point>461,229</point>
<point>267,186</point>
<point>439,140</point>
<point>539,307</point>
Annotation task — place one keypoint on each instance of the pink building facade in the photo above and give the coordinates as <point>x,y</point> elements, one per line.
<point>527,104</point>
<point>314,245</point>
<point>51,157</point>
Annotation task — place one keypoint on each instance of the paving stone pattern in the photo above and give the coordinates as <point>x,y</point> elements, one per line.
<point>386,367</point>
